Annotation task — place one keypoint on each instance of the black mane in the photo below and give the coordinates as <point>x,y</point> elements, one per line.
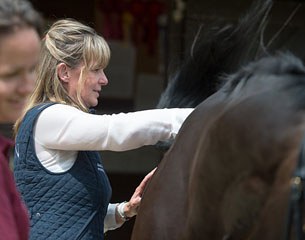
<point>218,50</point>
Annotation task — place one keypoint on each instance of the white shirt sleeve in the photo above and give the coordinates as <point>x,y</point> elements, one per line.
<point>64,127</point>
<point>109,221</point>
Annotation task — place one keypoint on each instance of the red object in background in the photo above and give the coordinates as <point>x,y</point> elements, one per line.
<point>154,9</point>
<point>112,12</point>
<point>146,29</point>
<point>144,24</point>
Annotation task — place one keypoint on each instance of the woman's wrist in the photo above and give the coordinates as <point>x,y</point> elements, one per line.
<point>122,212</point>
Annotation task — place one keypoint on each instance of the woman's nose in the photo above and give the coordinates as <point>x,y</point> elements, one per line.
<point>103,79</point>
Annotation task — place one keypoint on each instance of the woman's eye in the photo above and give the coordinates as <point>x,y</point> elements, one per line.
<point>97,70</point>
<point>9,76</point>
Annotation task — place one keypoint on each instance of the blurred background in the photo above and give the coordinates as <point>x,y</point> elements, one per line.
<point>148,40</point>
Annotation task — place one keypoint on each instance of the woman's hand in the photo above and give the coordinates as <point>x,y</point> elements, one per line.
<point>130,208</point>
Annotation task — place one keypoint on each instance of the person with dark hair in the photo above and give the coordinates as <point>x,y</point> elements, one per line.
<point>57,162</point>
<point>20,29</point>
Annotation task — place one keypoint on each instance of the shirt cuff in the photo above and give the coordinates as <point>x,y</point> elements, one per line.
<point>110,222</point>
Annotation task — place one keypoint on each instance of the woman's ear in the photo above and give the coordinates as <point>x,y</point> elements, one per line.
<point>63,72</point>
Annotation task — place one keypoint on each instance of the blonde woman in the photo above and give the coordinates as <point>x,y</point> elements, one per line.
<point>57,163</point>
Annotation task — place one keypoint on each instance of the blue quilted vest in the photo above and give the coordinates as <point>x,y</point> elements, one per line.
<point>69,205</point>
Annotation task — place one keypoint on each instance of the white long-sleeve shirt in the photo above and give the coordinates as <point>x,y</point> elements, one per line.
<point>62,130</point>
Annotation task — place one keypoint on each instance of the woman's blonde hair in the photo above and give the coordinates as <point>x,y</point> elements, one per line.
<point>73,43</point>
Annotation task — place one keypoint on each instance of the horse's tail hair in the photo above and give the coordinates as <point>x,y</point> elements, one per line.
<point>217,50</point>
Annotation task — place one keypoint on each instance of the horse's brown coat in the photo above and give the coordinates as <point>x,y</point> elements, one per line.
<point>227,174</point>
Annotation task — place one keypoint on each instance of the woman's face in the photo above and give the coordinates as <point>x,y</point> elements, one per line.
<point>18,57</point>
<point>93,83</point>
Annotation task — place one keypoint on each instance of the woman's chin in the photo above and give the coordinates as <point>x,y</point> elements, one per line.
<point>93,104</point>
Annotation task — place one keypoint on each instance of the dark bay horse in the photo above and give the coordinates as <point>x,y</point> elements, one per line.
<point>228,173</point>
